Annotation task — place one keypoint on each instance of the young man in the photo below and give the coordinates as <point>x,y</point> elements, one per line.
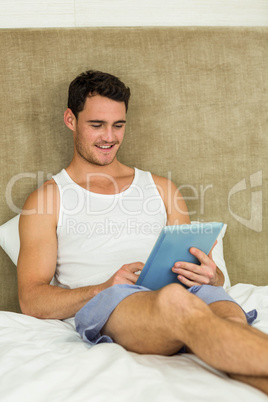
<point>92,227</point>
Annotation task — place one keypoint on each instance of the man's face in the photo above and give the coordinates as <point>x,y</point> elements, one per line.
<point>99,130</point>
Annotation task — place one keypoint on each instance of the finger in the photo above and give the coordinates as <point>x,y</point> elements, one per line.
<point>189,266</point>
<point>185,281</point>
<point>208,267</point>
<point>132,278</point>
<point>193,277</point>
<point>202,257</point>
<point>195,272</point>
<point>127,276</point>
<point>133,267</point>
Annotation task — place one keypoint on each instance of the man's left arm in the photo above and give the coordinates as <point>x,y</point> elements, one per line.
<point>189,274</point>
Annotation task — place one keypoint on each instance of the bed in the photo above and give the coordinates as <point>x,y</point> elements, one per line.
<point>198,115</point>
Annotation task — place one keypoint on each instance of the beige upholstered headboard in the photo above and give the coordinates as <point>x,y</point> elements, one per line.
<point>198,115</point>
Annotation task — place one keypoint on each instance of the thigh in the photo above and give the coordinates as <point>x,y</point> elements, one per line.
<point>222,304</point>
<point>228,310</point>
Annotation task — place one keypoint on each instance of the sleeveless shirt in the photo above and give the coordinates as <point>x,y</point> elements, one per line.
<point>98,233</point>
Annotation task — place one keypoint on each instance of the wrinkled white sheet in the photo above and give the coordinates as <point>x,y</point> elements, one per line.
<point>45,360</point>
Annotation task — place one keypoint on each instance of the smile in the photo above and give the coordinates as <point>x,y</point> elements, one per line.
<point>104,146</point>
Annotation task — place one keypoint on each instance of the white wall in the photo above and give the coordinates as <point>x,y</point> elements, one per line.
<point>79,13</point>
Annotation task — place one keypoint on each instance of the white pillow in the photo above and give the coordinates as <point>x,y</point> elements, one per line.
<point>9,238</point>
<point>218,257</point>
<point>10,242</point>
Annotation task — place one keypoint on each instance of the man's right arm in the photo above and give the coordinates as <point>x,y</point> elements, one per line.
<point>38,257</point>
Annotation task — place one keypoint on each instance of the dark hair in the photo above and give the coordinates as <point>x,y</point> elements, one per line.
<point>92,83</point>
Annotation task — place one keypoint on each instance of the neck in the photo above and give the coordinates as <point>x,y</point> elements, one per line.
<point>79,170</point>
<point>109,179</point>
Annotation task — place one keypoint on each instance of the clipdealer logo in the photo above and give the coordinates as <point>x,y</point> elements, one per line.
<point>255,220</point>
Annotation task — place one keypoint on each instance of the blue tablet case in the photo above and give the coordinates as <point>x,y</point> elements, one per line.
<point>173,245</point>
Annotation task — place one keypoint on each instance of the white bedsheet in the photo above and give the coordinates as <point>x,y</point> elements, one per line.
<point>45,360</point>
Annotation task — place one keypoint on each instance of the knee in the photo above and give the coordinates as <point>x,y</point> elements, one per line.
<point>175,298</point>
<point>178,310</point>
<point>172,292</point>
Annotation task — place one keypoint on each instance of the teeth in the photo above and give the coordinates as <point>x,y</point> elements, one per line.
<point>104,146</point>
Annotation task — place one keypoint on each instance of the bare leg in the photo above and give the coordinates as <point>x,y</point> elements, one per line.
<point>159,322</point>
<point>137,325</point>
<point>260,383</point>
<point>233,312</point>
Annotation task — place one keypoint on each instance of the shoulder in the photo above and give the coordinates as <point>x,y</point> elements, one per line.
<point>43,202</point>
<point>164,185</point>
<point>46,193</point>
<point>176,208</point>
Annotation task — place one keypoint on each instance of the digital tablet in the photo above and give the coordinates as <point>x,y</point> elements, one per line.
<point>173,244</point>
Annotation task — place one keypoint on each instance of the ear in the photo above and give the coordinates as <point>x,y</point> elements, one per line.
<point>69,119</point>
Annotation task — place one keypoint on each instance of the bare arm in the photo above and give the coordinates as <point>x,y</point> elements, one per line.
<point>37,262</point>
<point>189,274</point>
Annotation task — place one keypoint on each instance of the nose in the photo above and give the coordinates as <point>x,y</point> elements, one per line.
<point>108,134</point>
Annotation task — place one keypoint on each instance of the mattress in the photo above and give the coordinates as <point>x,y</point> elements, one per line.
<point>46,360</point>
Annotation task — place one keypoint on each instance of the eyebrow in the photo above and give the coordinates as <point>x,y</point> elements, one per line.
<point>103,121</point>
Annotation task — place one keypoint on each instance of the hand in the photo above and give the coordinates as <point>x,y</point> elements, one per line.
<point>206,273</point>
<point>125,275</point>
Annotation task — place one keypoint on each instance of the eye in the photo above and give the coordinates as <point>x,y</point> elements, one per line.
<point>96,125</point>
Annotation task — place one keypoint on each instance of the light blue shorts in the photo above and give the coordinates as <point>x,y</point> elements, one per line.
<point>90,320</point>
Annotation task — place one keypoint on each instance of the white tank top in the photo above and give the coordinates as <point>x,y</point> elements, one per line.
<point>98,233</point>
